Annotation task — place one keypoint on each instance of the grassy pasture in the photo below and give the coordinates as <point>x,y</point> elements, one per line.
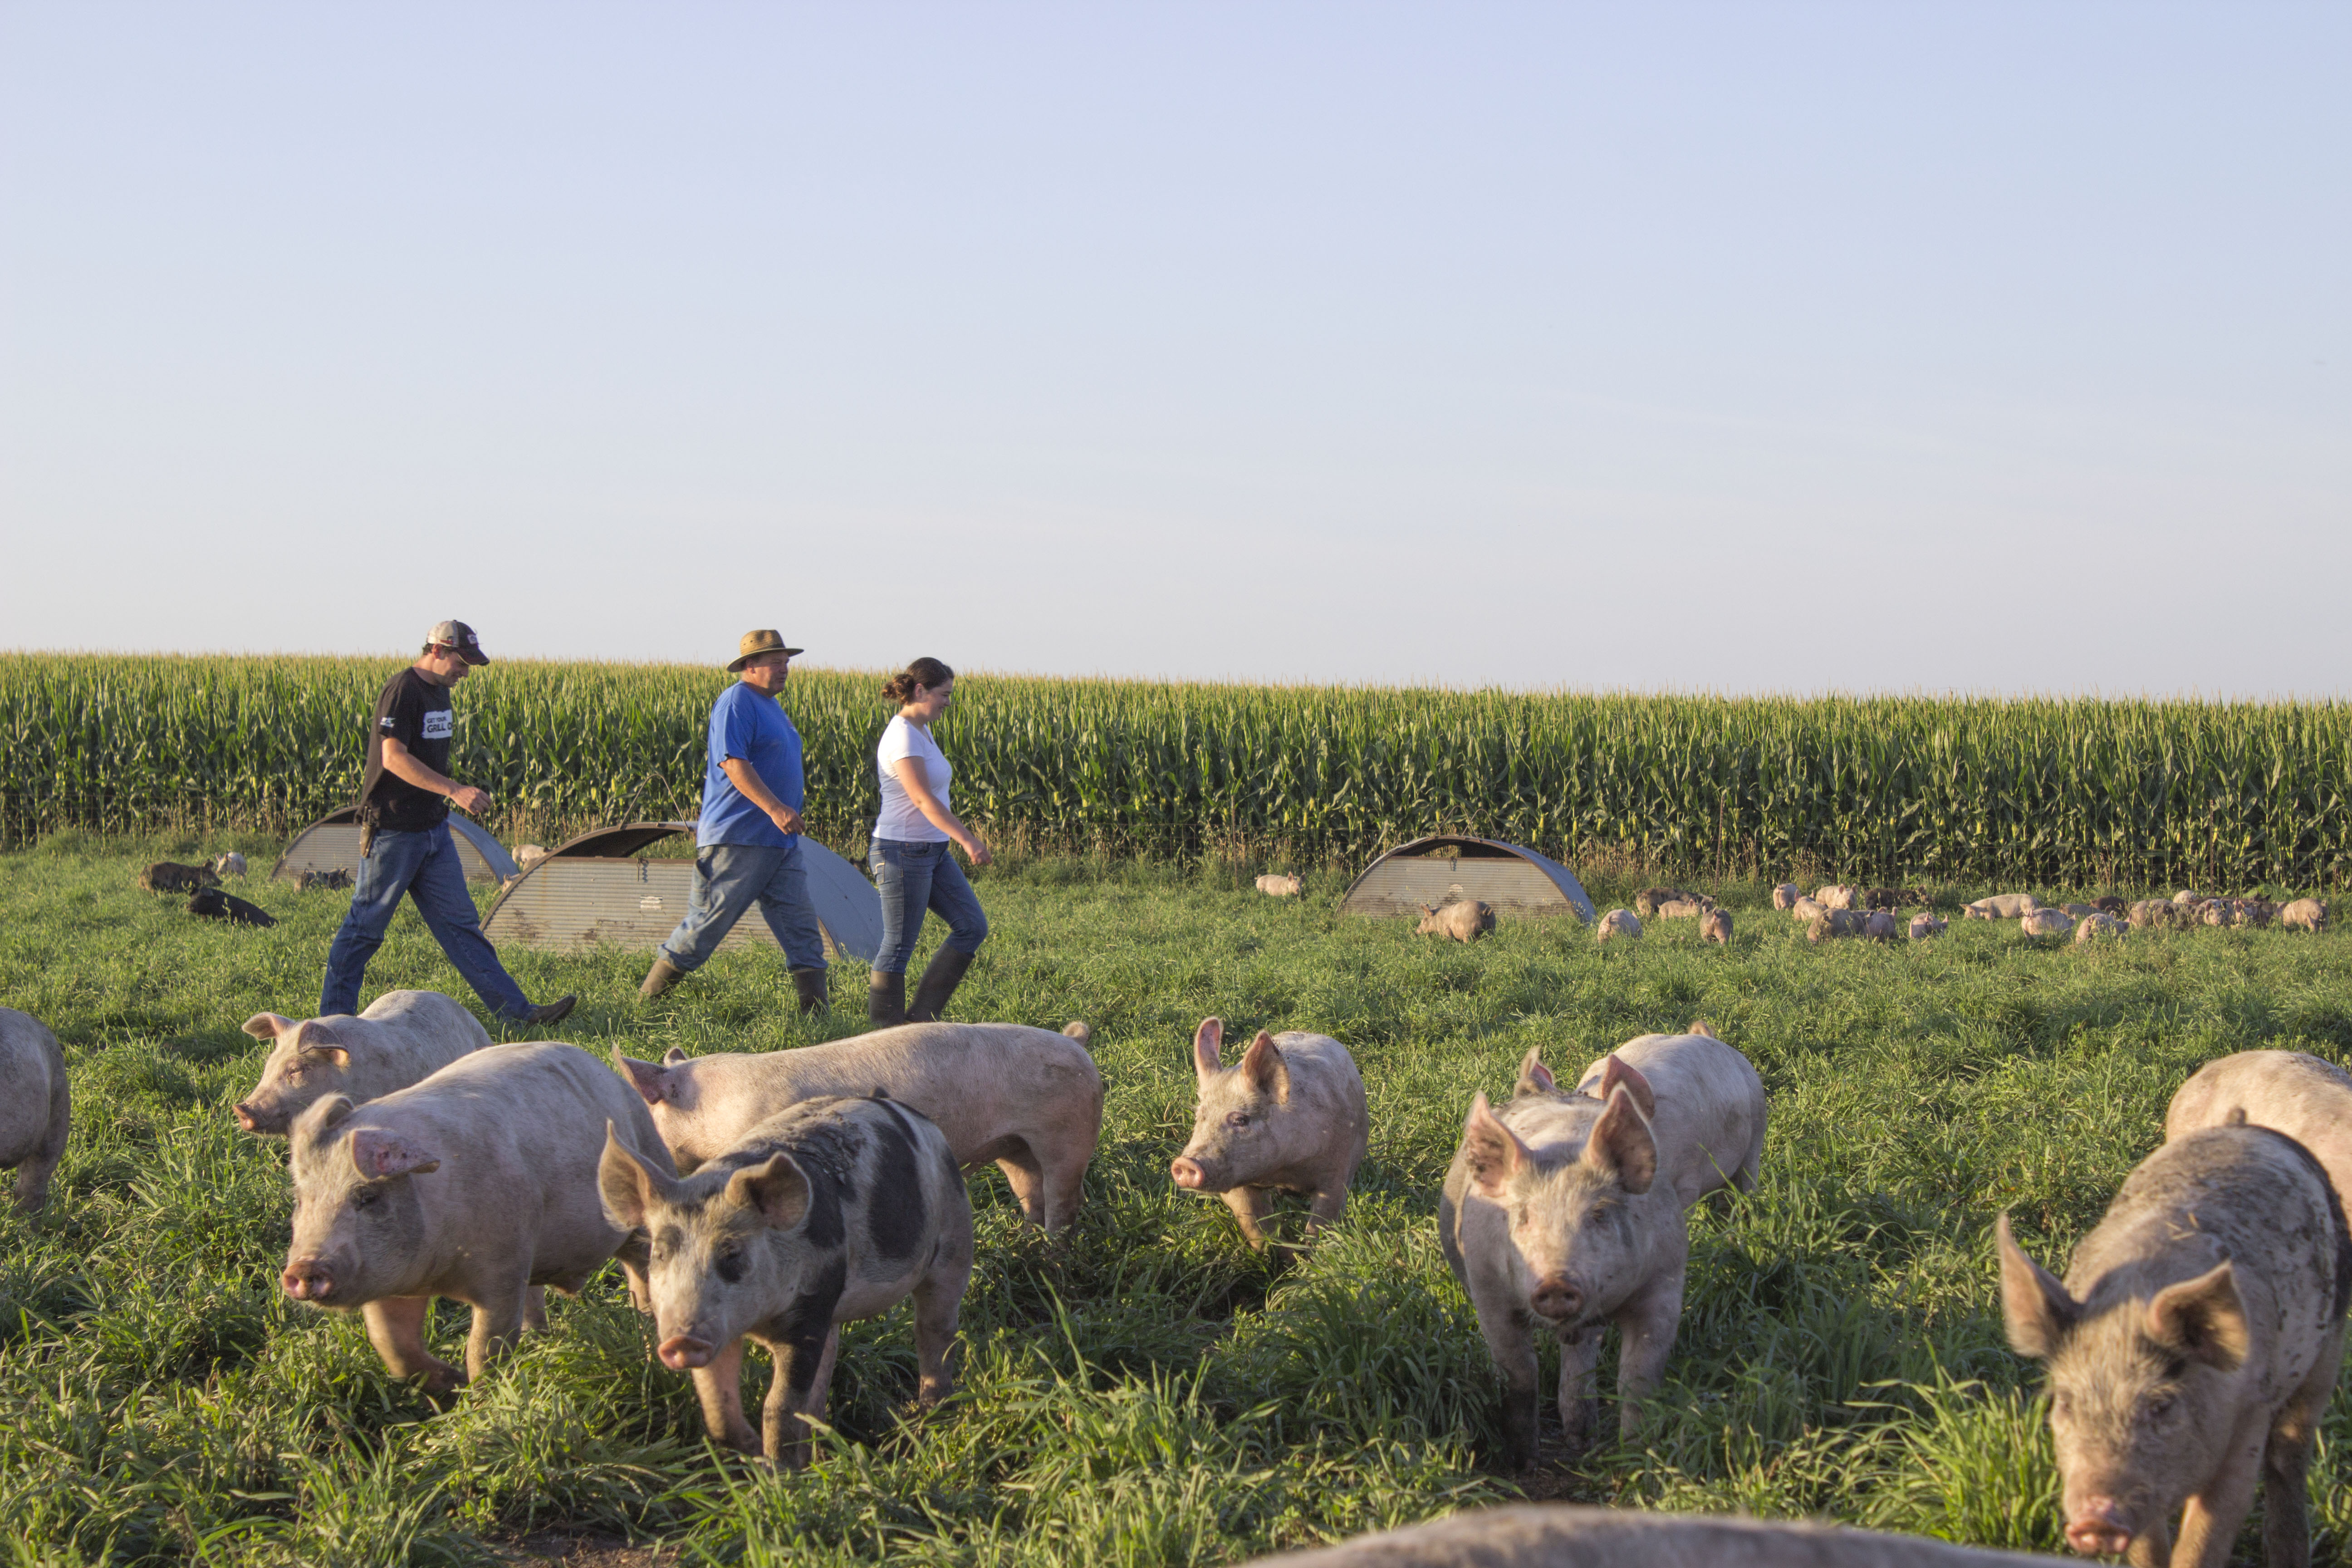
<point>1147,1391</point>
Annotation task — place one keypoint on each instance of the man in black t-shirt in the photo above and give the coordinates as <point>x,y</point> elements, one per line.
<point>404,805</point>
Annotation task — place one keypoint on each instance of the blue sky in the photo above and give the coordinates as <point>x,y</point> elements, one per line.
<point>1988,347</point>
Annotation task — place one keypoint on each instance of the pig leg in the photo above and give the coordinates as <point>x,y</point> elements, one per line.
<point>790,1390</point>
<point>1513,1348</point>
<point>938,1298</point>
<point>534,1309</point>
<point>2286,1461</point>
<point>719,1386</point>
<point>1579,1383</point>
<point>2209,1524</point>
<point>1648,1323</point>
<point>396,1326</point>
<point>1250,1206</point>
<point>1028,1185</point>
<point>1325,1207</point>
<point>495,1328</point>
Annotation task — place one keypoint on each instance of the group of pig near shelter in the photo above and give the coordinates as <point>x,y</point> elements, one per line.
<point>2192,1346</point>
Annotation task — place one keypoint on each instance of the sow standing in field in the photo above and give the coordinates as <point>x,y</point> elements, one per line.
<point>746,845</point>
<point>405,843</point>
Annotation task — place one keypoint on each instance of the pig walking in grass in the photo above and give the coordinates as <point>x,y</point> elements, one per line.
<point>1288,1117</point>
<point>1029,1099</point>
<point>1565,1213</point>
<point>477,1184</point>
<point>833,1210</point>
<point>2192,1348</point>
<point>36,1109</point>
<point>1465,921</point>
<point>1560,1535</point>
<point>404,1037</point>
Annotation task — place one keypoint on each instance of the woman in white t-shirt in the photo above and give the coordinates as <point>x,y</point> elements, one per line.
<point>912,867</point>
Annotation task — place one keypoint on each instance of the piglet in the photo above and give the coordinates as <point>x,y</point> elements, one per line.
<point>1617,923</point>
<point>1464,921</point>
<point>1288,1117</point>
<point>835,1209</point>
<point>2192,1348</point>
<point>477,1184</point>
<point>402,1038</point>
<point>36,1106</point>
<point>1714,926</point>
<point>1029,1099</point>
<point>1279,887</point>
<point>1565,1213</point>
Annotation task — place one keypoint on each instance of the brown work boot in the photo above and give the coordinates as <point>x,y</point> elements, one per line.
<point>552,1012</point>
<point>940,978</point>
<point>660,978</point>
<point>886,1001</point>
<point>810,984</point>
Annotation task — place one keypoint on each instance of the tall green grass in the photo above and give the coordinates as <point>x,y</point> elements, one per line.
<point>1963,789</point>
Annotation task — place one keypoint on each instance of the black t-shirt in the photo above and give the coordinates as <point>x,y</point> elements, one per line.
<point>416,713</point>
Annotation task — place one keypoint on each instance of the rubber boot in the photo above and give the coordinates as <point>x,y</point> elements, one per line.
<point>810,984</point>
<point>660,978</point>
<point>940,978</point>
<point>886,1001</point>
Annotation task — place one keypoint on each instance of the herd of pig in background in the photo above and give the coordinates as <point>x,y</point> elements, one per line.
<point>2192,1346</point>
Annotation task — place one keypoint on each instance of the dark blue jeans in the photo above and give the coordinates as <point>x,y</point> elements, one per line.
<point>912,878</point>
<point>729,878</point>
<point>425,867</point>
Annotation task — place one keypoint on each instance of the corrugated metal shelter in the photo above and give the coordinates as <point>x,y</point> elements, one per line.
<point>332,844</point>
<point>1449,867</point>
<point>597,888</point>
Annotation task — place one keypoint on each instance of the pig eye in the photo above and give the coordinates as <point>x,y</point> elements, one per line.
<point>1237,1119</point>
<point>2158,1408</point>
<point>729,1264</point>
<point>367,1197</point>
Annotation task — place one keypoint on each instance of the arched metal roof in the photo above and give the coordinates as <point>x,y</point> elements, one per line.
<point>1517,881</point>
<point>332,844</point>
<point>597,888</point>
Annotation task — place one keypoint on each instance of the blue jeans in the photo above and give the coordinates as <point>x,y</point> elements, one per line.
<point>729,878</point>
<point>425,867</point>
<point>912,878</point>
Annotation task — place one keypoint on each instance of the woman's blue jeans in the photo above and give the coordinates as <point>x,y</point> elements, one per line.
<point>911,879</point>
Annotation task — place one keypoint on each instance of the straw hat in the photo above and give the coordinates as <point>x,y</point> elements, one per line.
<point>754,644</point>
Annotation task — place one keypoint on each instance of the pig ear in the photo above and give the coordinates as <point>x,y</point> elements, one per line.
<point>778,1190</point>
<point>376,1154</point>
<point>1617,1073</point>
<point>267,1025</point>
<point>650,1081</point>
<point>1210,1035</point>
<point>625,1183</point>
<point>674,1056</point>
<point>1263,1067</point>
<point>1534,1076</point>
<point>1496,1153</point>
<point>2203,1318</point>
<point>1702,1027</point>
<point>315,1039</point>
<point>1621,1145</point>
<point>325,1115</point>
<point>2033,1304</point>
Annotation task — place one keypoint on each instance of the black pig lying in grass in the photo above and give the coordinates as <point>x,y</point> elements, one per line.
<point>216,905</point>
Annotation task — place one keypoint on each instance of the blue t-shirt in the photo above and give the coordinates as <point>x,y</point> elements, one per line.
<point>749,725</point>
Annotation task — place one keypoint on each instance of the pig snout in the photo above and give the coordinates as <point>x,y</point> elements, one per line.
<point>680,1351</point>
<point>1187,1174</point>
<point>306,1280</point>
<point>1556,1297</point>
<point>245,1117</point>
<point>2097,1528</point>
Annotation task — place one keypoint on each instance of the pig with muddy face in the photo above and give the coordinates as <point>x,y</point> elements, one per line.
<point>2191,1347</point>
<point>1029,1099</point>
<point>1289,1116</point>
<point>1464,921</point>
<point>1564,1213</point>
<point>835,1209</point>
<point>477,1184</point>
<point>36,1110</point>
<point>404,1037</point>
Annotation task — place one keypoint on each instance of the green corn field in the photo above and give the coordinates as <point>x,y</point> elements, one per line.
<point>2038,791</point>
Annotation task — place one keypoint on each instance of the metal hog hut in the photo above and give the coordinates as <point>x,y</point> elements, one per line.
<point>597,888</point>
<point>1448,869</point>
<point>332,844</point>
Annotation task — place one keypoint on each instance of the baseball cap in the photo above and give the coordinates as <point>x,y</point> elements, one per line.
<point>459,637</point>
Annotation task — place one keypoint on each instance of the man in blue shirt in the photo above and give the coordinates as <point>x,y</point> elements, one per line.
<point>748,844</point>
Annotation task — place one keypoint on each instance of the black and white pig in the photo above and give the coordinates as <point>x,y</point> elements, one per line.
<point>833,1209</point>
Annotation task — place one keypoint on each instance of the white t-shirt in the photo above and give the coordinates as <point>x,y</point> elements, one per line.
<point>902,818</point>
